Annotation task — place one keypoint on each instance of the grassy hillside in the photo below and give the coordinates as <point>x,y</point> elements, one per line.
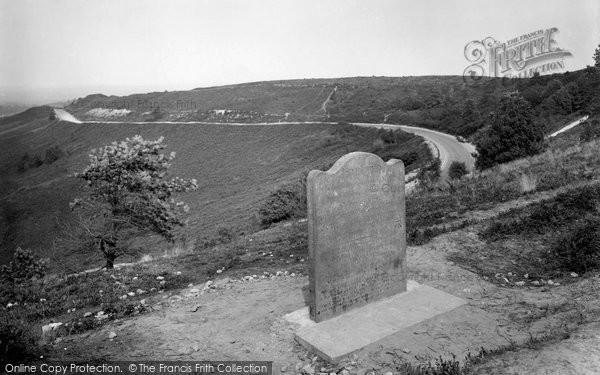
<point>237,167</point>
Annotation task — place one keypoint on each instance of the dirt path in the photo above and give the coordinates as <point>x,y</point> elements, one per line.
<point>243,320</point>
<point>324,105</point>
<point>569,126</point>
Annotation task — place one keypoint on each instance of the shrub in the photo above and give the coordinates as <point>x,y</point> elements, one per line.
<point>511,135</point>
<point>581,199</point>
<point>225,234</point>
<point>53,154</point>
<point>284,203</point>
<point>24,266</point>
<point>431,172</point>
<point>590,131</point>
<point>16,339</point>
<point>27,162</point>
<point>23,164</point>
<point>579,250</point>
<point>35,161</point>
<point>457,170</point>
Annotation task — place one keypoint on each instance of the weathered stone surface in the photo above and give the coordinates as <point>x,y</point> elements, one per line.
<point>336,338</point>
<point>357,233</point>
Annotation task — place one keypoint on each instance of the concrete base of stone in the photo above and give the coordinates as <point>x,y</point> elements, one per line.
<point>336,338</point>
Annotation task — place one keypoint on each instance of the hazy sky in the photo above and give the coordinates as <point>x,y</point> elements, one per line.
<point>117,45</point>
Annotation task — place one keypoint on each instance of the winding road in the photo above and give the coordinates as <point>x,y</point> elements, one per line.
<point>445,146</point>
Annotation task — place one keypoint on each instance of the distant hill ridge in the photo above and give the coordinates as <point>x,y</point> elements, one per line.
<point>29,114</point>
<point>289,100</point>
<point>445,103</point>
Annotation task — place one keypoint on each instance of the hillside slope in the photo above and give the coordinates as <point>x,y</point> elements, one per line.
<point>237,167</point>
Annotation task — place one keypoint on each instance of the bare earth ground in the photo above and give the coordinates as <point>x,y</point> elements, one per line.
<point>243,320</point>
<point>576,355</point>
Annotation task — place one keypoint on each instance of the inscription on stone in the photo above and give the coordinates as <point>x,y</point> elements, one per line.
<point>356,233</point>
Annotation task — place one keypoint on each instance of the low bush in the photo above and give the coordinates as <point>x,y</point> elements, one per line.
<point>457,170</point>
<point>579,250</point>
<point>28,162</point>
<point>16,339</point>
<point>225,234</point>
<point>585,198</point>
<point>24,266</point>
<point>53,154</point>
<point>590,130</point>
<point>286,202</point>
<point>430,173</point>
<point>555,214</point>
<point>33,161</point>
<point>17,342</point>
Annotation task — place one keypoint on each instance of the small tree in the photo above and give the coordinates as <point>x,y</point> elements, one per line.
<point>511,134</point>
<point>129,194</point>
<point>597,57</point>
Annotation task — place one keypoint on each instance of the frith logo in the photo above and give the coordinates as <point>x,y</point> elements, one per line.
<point>520,57</point>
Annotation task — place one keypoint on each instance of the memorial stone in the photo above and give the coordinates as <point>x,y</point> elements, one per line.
<point>357,234</point>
